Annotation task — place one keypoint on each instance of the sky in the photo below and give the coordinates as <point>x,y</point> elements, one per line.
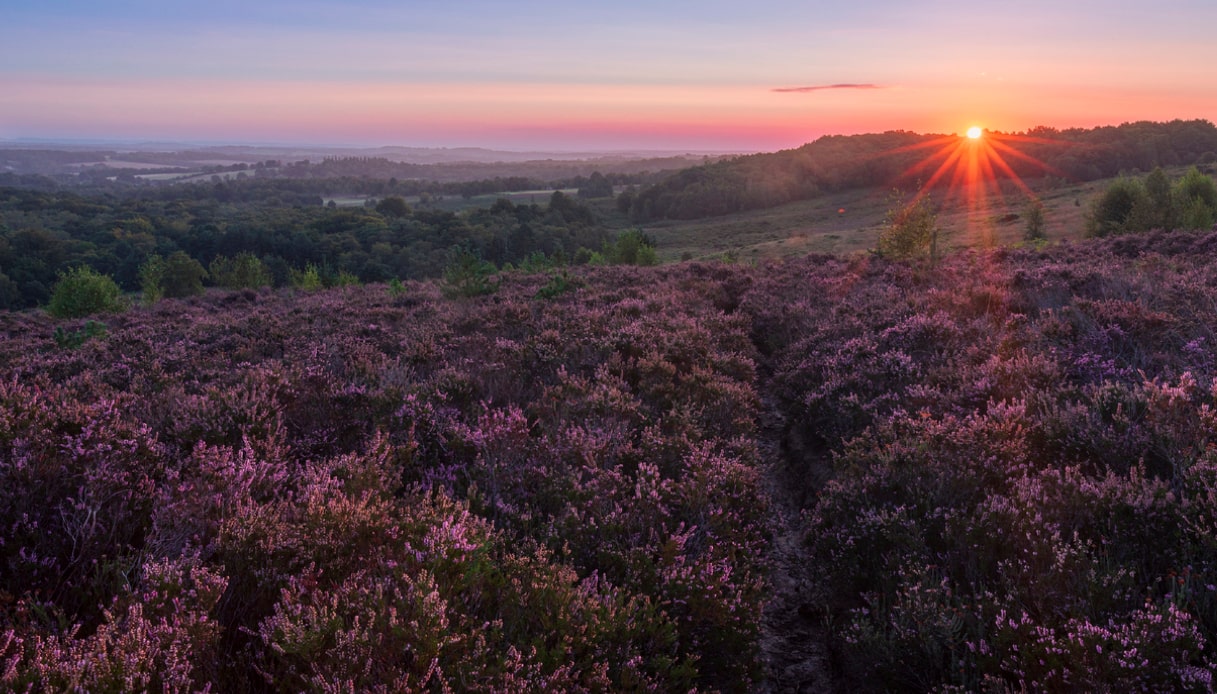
<point>704,75</point>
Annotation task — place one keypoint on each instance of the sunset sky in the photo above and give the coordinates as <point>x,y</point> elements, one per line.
<point>704,75</point>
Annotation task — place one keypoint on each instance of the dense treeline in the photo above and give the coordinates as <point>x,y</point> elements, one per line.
<point>533,174</point>
<point>42,234</point>
<point>835,163</point>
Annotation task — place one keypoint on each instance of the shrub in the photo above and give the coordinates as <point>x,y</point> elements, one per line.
<point>467,275</point>
<point>73,339</point>
<point>393,206</point>
<point>631,247</point>
<point>559,284</point>
<point>245,271</point>
<point>81,292</point>
<point>176,277</point>
<point>308,279</point>
<point>1196,196</point>
<point>910,230</point>
<point>1113,209</point>
<point>1034,216</point>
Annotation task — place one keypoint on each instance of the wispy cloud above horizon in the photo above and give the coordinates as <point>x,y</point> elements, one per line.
<point>709,74</point>
<point>825,87</point>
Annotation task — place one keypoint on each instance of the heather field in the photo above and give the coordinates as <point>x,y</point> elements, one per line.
<point>994,473</point>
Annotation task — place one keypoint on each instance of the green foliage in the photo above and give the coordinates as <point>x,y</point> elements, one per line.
<point>597,186</point>
<point>393,206</point>
<point>586,256</point>
<point>396,288</point>
<point>467,275</point>
<point>175,277</point>
<point>71,339</point>
<point>1196,215</point>
<point>1195,184</point>
<point>1160,213</point>
<point>1196,198</point>
<point>183,276</point>
<point>631,247</point>
<point>910,230</point>
<point>1130,205</point>
<point>1033,215</point>
<point>538,261</point>
<point>83,291</point>
<point>836,163</point>
<point>151,274</point>
<point>245,271</point>
<point>280,222</point>
<point>345,279</point>
<point>559,284</point>
<point>1113,210</point>
<point>308,279</point>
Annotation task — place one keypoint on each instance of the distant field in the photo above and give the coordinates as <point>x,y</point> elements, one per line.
<point>346,200</point>
<point>120,164</point>
<point>456,203</point>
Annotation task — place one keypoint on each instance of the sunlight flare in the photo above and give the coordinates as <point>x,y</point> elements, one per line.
<point>974,132</point>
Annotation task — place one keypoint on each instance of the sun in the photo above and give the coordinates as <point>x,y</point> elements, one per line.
<point>974,132</point>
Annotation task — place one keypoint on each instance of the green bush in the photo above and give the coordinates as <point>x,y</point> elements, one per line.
<point>468,275</point>
<point>245,271</point>
<point>1196,199</point>
<point>632,247</point>
<point>1034,218</point>
<point>175,277</point>
<point>345,279</point>
<point>308,279</point>
<point>559,284</point>
<point>910,230</point>
<point>82,291</point>
<point>1114,209</point>
<point>71,339</point>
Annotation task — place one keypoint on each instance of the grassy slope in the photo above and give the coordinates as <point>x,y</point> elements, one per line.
<point>819,226</point>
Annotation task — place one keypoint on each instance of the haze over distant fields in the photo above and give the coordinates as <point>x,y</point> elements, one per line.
<point>709,75</point>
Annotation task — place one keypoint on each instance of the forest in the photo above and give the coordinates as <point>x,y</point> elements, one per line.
<point>45,233</point>
<point>838,162</point>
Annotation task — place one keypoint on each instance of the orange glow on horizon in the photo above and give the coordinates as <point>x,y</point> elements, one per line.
<point>972,168</point>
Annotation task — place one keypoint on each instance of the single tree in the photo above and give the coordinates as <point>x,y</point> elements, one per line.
<point>393,206</point>
<point>910,230</point>
<point>1033,215</point>
<point>245,271</point>
<point>82,291</point>
<point>1159,207</point>
<point>1113,210</point>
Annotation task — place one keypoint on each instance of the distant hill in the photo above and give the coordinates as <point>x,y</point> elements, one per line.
<point>836,163</point>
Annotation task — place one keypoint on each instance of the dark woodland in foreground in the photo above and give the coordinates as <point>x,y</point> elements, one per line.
<point>999,468</point>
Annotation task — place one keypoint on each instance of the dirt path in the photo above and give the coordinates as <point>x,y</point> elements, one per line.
<point>792,632</point>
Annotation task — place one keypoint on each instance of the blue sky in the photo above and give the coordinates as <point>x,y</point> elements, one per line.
<point>622,74</point>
